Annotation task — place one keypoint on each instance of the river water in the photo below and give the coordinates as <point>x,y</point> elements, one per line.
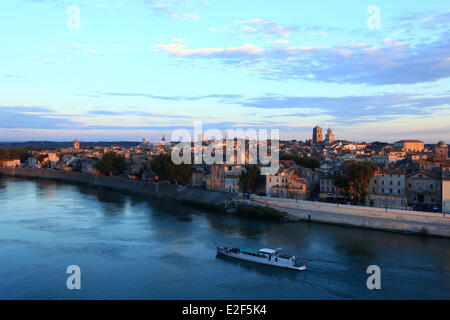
<point>129,247</point>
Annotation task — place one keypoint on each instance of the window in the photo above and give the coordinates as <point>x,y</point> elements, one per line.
<point>373,189</point>
<point>382,190</point>
<point>399,191</point>
<point>390,190</point>
<point>399,183</point>
<point>431,186</point>
<point>390,182</point>
<point>382,182</point>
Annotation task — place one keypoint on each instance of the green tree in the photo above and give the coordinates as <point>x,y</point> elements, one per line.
<point>356,178</point>
<point>308,162</point>
<point>17,153</point>
<point>250,178</point>
<point>112,163</point>
<point>341,181</point>
<point>180,173</point>
<point>160,166</point>
<point>304,161</point>
<point>4,154</point>
<point>165,169</point>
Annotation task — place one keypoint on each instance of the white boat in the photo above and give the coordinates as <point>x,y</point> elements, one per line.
<point>271,257</point>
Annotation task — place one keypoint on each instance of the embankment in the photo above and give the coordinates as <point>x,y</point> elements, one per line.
<point>417,222</point>
<point>192,196</point>
<point>355,216</point>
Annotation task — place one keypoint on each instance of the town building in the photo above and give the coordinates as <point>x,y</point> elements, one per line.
<point>410,145</point>
<point>198,178</point>
<point>387,189</point>
<point>424,189</point>
<point>446,195</point>
<point>286,184</point>
<point>441,151</point>
<point>232,182</point>
<point>216,178</point>
<point>9,163</point>
<point>327,185</point>
<point>329,137</point>
<point>317,135</point>
<point>76,144</point>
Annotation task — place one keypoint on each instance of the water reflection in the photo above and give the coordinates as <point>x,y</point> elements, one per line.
<point>134,247</point>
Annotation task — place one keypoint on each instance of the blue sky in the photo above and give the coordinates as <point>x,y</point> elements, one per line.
<point>141,68</point>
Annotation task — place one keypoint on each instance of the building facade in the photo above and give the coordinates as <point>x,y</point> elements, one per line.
<point>317,135</point>
<point>9,163</point>
<point>424,189</point>
<point>387,189</point>
<point>410,145</point>
<point>441,151</point>
<point>286,184</point>
<point>329,137</point>
<point>446,195</point>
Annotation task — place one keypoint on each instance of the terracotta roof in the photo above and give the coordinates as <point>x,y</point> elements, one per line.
<point>391,171</point>
<point>429,173</point>
<point>409,141</point>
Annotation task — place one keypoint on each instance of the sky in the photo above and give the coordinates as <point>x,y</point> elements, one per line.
<point>132,69</point>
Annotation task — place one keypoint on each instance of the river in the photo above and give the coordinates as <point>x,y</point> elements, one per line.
<point>129,247</point>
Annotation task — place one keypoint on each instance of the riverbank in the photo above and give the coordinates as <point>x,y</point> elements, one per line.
<point>415,222</point>
<point>160,190</point>
<point>427,224</point>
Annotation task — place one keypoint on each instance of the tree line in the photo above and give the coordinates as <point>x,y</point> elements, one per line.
<point>17,153</point>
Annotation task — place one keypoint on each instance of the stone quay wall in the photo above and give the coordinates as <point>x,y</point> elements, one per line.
<point>151,189</point>
<point>426,223</point>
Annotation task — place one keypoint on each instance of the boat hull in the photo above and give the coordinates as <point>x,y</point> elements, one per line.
<point>264,261</point>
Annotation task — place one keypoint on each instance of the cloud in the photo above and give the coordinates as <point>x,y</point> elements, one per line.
<point>171,8</point>
<point>353,109</point>
<point>267,28</point>
<point>177,49</point>
<point>343,110</point>
<point>433,86</point>
<point>32,118</point>
<point>221,97</point>
<point>389,61</point>
<point>45,60</point>
<point>104,112</point>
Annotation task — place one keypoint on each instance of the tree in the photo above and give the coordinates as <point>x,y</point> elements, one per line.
<point>356,178</point>
<point>165,169</point>
<point>308,162</point>
<point>180,173</point>
<point>304,161</point>
<point>4,154</point>
<point>341,181</point>
<point>43,161</point>
<point>160,166</point>
<point>112,163</point>
<point>250,178</point>
<point>17,153</point>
